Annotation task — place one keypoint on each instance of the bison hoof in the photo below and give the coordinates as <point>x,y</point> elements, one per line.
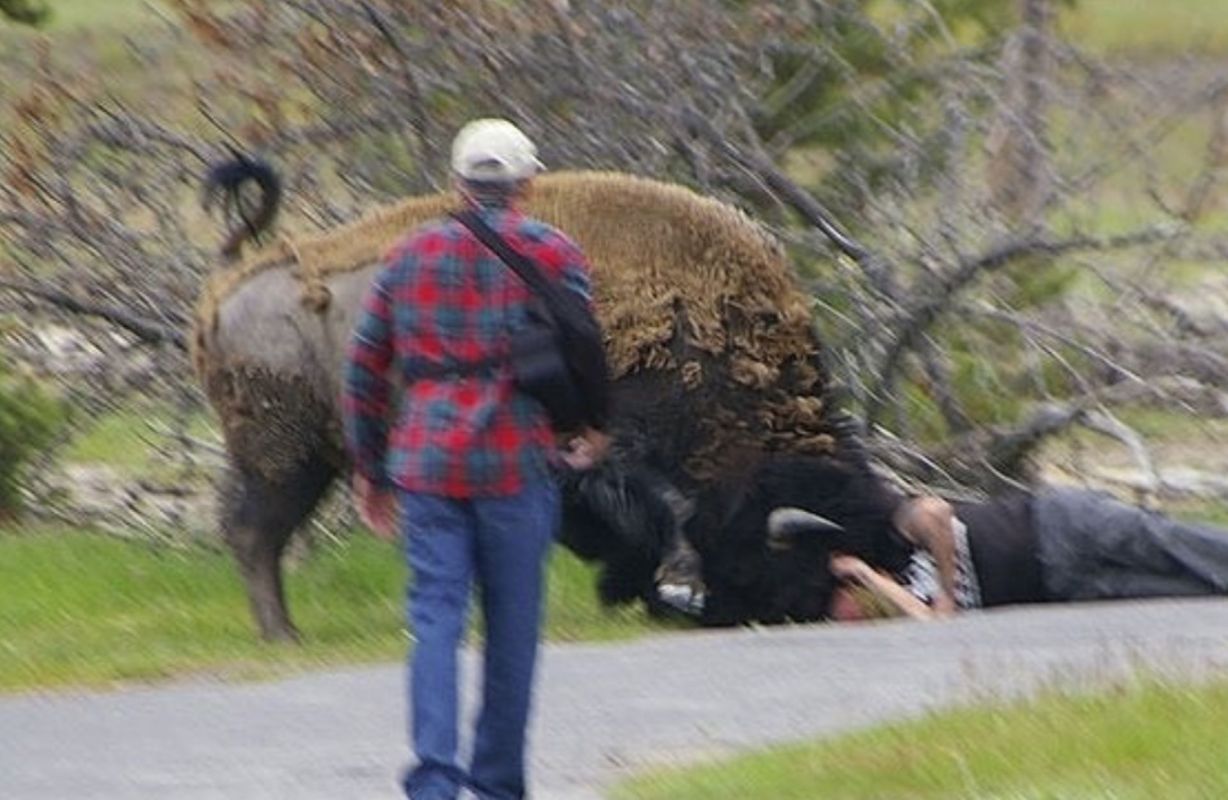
<point>679,582</point>
<point>687,598</point>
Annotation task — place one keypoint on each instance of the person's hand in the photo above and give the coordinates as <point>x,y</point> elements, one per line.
<point>944,605</point>
<point>586,450</point>
<point>377,508</point>
<point>848,568</point>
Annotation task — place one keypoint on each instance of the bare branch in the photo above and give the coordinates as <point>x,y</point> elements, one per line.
<point>1008,451</point>
<point>144,329</point>
<point>924,314</point>
<point>1109,425</point>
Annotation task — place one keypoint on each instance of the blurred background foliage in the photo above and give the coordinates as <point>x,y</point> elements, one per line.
<point>30,416</point>
<point>1036,188</point>
<point>931,132</point>
<point>26,12</point>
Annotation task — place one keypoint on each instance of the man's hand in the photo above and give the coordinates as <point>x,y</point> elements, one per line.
<point>859,573</point>
<point>586,450</point>
<point>850,568</point>
<point>377,508</point>
<point>944,605</point>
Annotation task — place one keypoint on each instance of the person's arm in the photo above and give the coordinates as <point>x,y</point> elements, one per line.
<point>928,522</point>
<point>364,404</point>
<point>565,259</point>
<point>859,573</point>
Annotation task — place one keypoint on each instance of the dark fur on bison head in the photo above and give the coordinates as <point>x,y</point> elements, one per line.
<point>618,519</point>
<point>750,578</point>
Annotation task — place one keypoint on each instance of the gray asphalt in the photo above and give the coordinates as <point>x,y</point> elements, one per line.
<point>604,710</point>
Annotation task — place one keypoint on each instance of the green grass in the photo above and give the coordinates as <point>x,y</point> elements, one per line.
<point>125,441</point>
<point>1136,743</point>
<point>1144,27</point>
<point>1167,423</point>
<point>1149,27</point>
<point>108,16</point>
<point>83,609</point>
<point>1122,201</point>
<point>1167,428</point>
<point>1206,512</point>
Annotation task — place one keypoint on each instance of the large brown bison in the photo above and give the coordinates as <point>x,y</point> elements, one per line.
<point>716,369</point>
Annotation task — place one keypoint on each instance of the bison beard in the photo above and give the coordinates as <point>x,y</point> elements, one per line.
<point>716,371</point>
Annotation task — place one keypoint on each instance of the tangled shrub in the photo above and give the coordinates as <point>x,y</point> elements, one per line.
<point>29,418</point>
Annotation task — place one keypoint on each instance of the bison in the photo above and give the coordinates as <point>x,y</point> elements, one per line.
<point>716,369</point>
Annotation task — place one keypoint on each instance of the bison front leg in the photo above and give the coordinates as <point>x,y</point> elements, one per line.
<point>679,577</point>
<point>630,519</point>
<point>258,517</point>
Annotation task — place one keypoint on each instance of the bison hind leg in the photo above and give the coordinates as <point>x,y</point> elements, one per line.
<point>258,515</point>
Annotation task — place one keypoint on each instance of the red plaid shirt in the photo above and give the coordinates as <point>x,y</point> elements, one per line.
<point>443,301</point>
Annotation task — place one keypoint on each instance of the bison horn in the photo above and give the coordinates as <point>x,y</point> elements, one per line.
<point>783,524</point>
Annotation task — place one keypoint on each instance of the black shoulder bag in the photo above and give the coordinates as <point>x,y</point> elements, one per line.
<point>558,357</point>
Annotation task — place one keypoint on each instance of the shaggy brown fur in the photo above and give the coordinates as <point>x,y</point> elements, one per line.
<point>682,283</point>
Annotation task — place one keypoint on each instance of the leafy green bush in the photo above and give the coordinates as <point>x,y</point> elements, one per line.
<point>28,12</point>
<point>29,417</point>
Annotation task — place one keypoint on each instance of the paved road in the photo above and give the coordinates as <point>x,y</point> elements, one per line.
<point>604,709</point>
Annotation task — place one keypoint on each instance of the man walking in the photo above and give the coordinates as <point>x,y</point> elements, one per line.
<point>467,458</point>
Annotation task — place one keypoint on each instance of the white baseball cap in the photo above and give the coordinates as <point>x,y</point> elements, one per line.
<point>494,150</point>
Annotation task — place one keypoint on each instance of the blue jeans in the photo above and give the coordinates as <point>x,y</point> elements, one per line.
<point>503,543</point>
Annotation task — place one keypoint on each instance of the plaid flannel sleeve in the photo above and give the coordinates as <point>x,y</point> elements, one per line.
<point>366,390</point>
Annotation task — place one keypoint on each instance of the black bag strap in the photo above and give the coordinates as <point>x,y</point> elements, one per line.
<point>584,352</point>
<point>517,261</point>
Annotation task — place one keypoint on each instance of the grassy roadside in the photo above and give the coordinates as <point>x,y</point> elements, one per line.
<point>122,439</point>
<point>1138,742</point>
<point>110,16</point>
<point>83,609</point>
<point>1146,28</point>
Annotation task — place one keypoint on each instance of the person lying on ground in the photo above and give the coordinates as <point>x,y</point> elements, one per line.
<point>1055,545</point>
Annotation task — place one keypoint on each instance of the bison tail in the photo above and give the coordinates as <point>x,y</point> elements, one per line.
<point>225,181</point>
